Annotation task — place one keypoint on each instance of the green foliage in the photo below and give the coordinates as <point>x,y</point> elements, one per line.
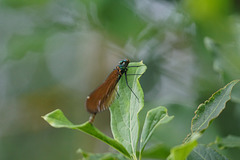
<point>108,156</point>
<point>182,151</point>
<point>52,49</point>
<point>125,124</point>
<point>154,118</point>
<point>211,108</point>
<point>124,117</point>
<point>228,142</point>
<point>204,115</point>
<point>159,151</point>
<point>125,109</point>
<point>203,152</point>
<point>58,120</point>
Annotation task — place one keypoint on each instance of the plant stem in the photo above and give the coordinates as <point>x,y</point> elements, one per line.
<point>140,156</point>
<point>134,157</point>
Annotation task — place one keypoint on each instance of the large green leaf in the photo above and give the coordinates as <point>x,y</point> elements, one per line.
<point>154,118</point>
<point>202,152</point>
<point>211,108</point>
<point>58,120</point>
<point>125,109</point>
<point>182,151</point>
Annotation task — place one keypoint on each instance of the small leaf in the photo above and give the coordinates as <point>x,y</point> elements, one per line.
<point>125,109</point>
<point>101,156</point>
<point>229,142</point>
<point>159,151</point>
<point>58,120</point>
<point>154,118</point>
<point>182,151</point>
<point>202,152</point>
<point>211,108</point>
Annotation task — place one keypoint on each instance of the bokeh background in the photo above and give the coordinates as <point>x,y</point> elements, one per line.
<point>53,53</point>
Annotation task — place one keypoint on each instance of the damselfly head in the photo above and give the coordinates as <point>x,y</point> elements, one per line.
<point>124,62</point>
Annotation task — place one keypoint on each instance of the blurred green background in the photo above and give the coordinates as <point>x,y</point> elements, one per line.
<point>53,53</point>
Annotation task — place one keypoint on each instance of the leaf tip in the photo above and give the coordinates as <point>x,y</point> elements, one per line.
<point>43,117</point>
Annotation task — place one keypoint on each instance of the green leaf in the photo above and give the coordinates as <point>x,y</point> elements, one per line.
<point>159,151</point>
<point>182,151</point>
<point>154,118</point>
<point>125,109</point>
<point>202,152</point>
<point>102,156</point>
<point>58,120</point>
<point>229,142</point>
<point>211,108</point>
